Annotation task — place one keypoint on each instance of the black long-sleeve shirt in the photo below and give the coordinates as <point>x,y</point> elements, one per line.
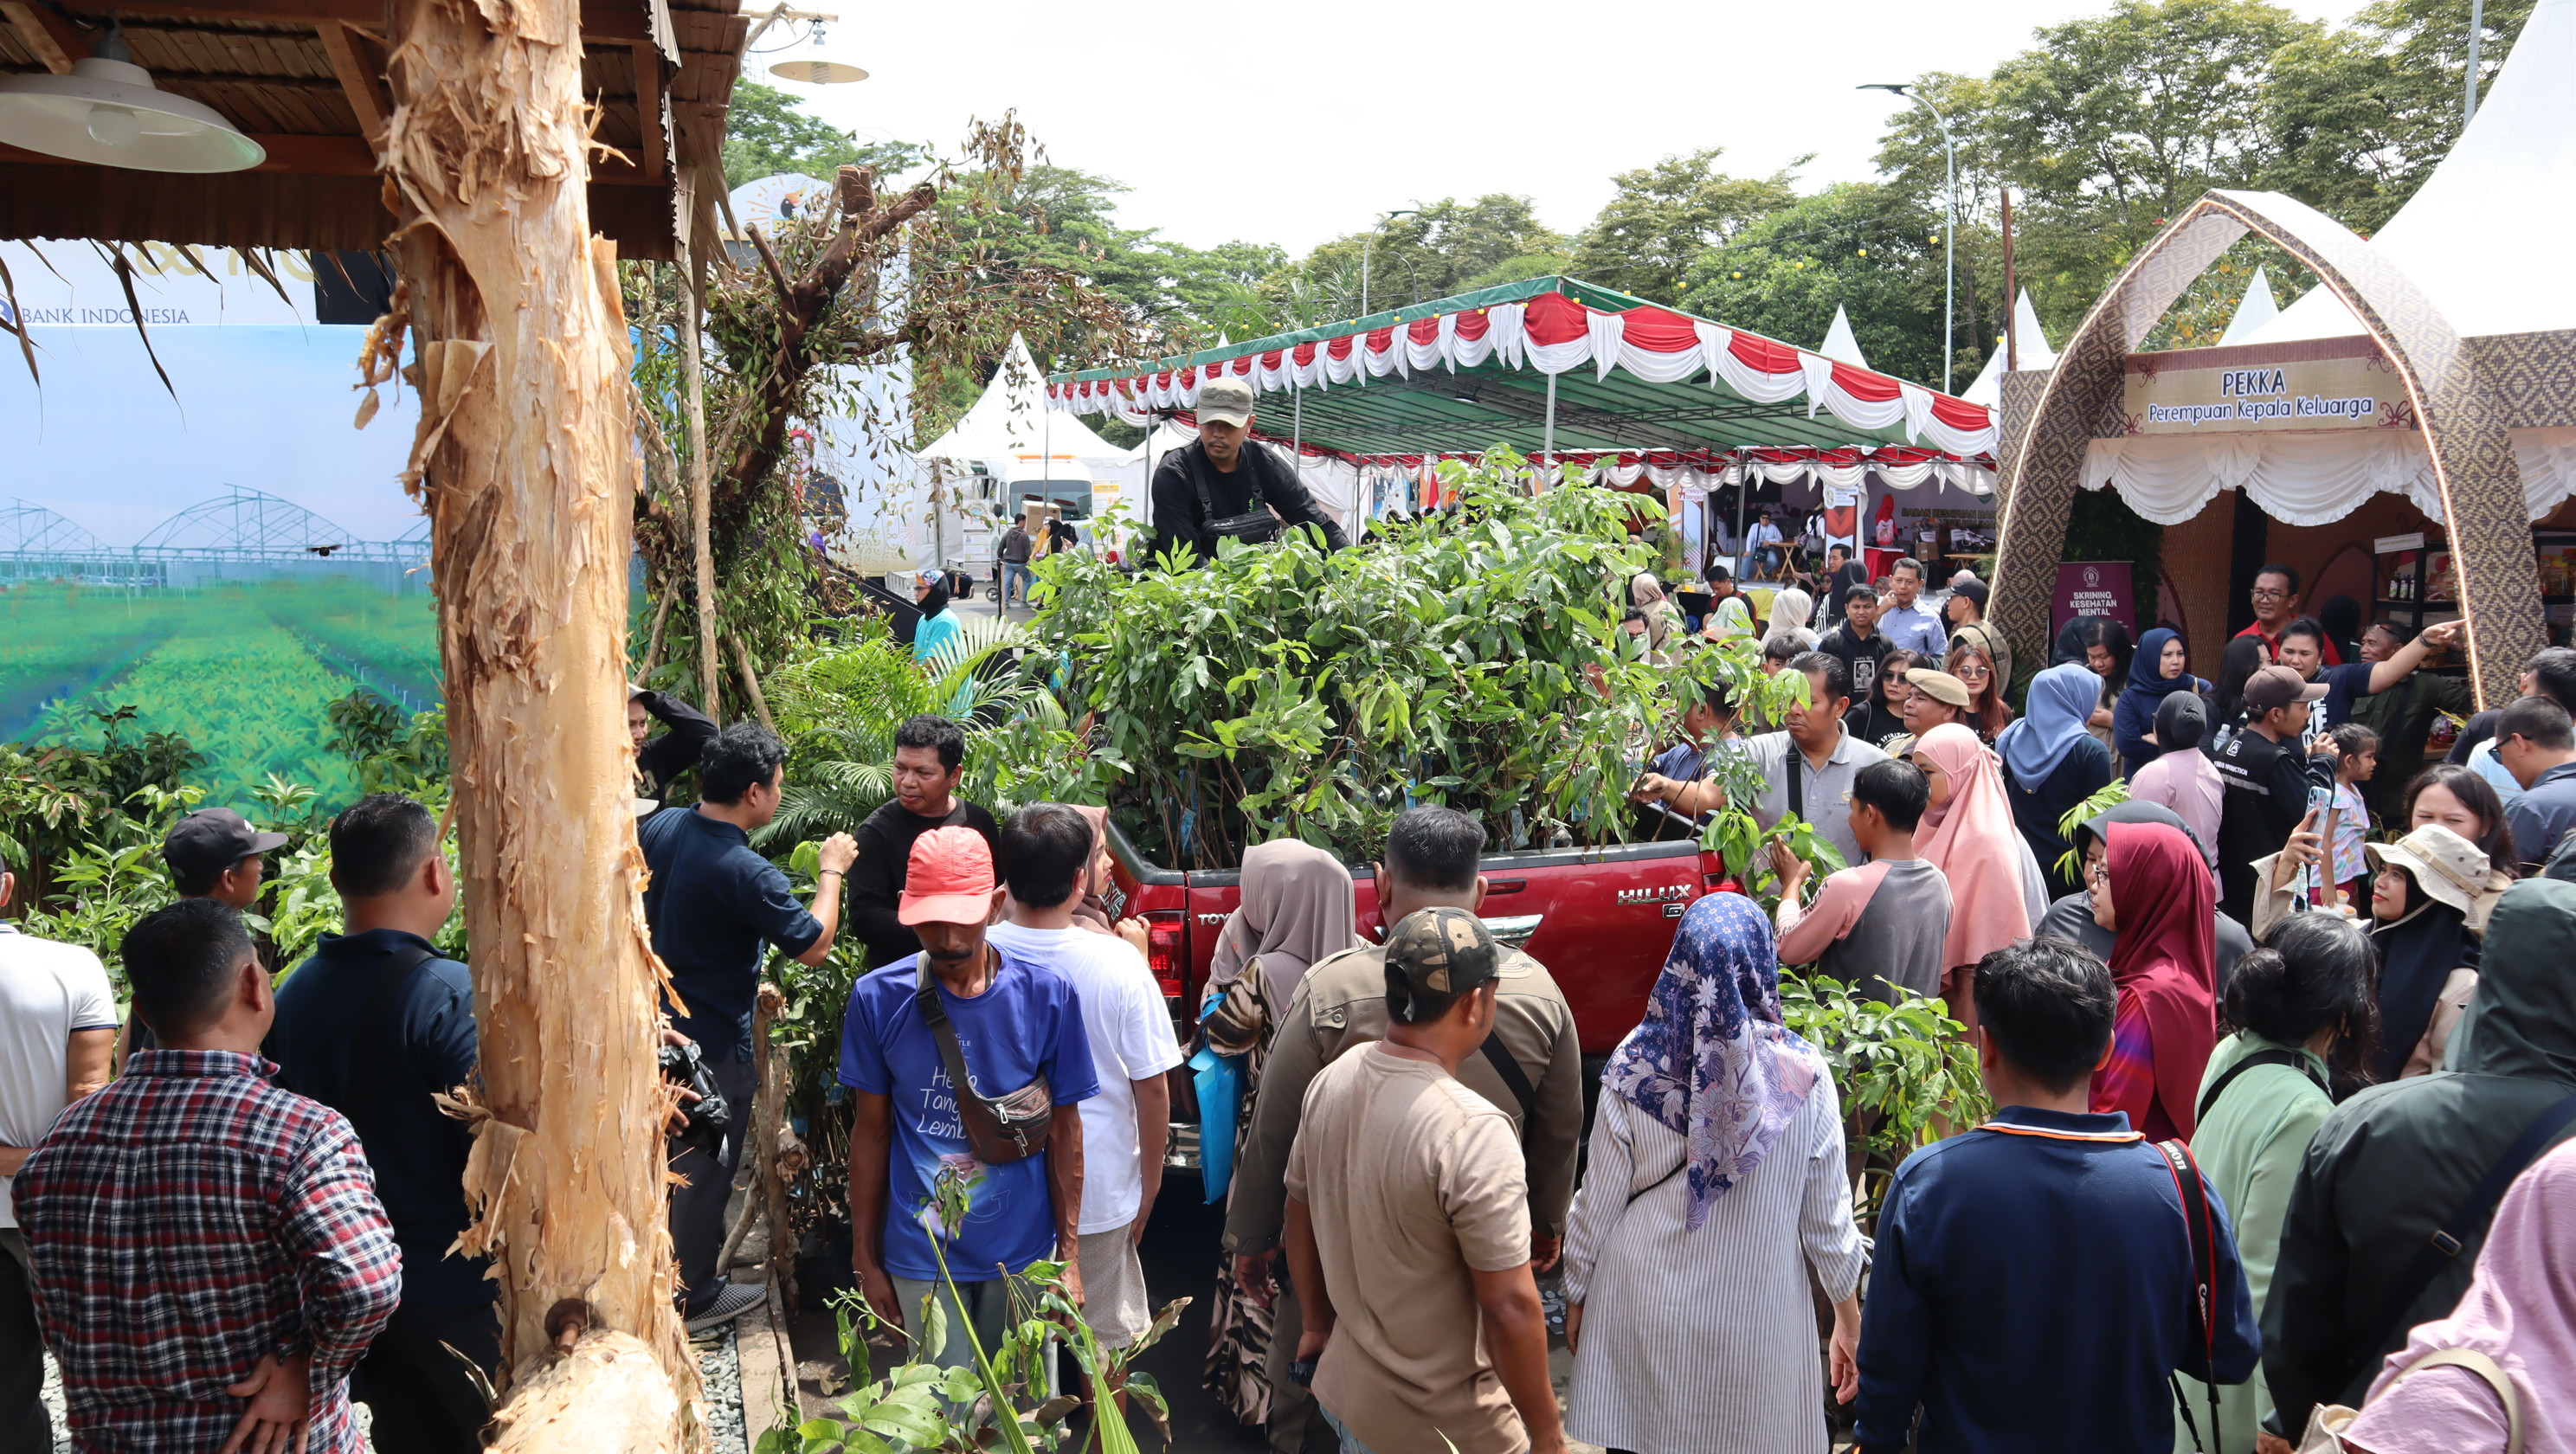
<point>1180,519</point>
<point>664,758</point>
<point>885,855</point>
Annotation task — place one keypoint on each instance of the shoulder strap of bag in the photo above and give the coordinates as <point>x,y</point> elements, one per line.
<point>951,1054</point>
<point>1797,781</point>
<point>2472,1217</point>
<point>2217,1088</point>
<point>1514,1078</point>
<point>2484,1367</point>
<point>2202,1227</point>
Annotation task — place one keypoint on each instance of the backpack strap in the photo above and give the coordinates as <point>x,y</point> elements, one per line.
<point>2474,1213</point>
<point>2203,1228</point>
<point>1516,1079</point>
<point>2484,1367</point>
<point>2218,1087</point>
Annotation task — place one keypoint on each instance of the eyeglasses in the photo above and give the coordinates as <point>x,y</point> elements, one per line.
<point>1971,671</point>
<point>2268,593</point>
<point>2098,871</point>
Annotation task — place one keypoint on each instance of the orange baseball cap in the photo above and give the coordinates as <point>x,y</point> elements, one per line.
<point>949,879</point>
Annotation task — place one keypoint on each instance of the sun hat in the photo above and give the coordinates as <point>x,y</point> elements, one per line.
<point>948,880</point>
<point>1940,686</point>
<point>2449,868</point>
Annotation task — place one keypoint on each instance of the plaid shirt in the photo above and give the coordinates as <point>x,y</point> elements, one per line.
<point>186,1220</point>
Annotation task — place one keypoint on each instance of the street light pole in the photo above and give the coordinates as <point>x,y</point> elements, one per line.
<point>1950,227</point>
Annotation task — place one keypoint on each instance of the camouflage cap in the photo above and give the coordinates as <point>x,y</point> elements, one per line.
<point>1445,951</point>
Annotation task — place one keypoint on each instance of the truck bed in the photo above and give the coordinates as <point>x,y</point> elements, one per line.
<point>1600,919</point>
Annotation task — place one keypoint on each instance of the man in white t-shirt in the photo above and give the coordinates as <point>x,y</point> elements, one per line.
<point>1046,849</point>
<point>57,1025</point>
<point>1762,544</point>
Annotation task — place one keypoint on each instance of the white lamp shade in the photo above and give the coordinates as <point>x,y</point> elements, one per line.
<point>110,114</point>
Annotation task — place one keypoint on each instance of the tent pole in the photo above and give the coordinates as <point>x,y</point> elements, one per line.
<point>1547,445</point>
<point>1297,415</point>
<point>1743,487</point>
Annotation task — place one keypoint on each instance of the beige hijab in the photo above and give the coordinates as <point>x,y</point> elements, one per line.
<point>1658,612</point>
<point>1297,908</point>
<point>1092,912</point>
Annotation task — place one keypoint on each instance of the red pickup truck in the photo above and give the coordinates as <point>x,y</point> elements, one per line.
<point>1600,919</point>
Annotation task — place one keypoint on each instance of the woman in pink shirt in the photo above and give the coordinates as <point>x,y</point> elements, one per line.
<point>2183,780</point>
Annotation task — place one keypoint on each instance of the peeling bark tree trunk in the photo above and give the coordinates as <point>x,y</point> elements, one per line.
<point>526,461</point>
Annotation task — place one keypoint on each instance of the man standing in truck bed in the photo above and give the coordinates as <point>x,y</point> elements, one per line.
<point>1224,476</point>
<point>1531,1068</point>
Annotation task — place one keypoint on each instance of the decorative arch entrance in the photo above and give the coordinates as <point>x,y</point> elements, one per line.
<point>2463,423</point>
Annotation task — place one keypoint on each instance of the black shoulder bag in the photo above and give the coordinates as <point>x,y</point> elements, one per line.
<point>1256,526</point>
<point>1013,1128</point>
<point>2217,1088</point>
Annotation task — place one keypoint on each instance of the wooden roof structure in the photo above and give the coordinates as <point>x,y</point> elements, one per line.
<point>305,79</point>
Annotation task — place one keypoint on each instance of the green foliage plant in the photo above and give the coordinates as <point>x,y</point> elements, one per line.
<point>1473,657</point>
<point>2070,864</point>
<point>1905,1070</point>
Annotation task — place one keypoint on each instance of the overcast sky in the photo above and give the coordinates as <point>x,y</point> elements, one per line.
<point>1293,124</point>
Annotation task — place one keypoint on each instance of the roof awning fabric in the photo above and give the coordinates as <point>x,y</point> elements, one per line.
<point>1462,374</point>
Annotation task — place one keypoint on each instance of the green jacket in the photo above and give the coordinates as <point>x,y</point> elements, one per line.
<point>2250,1148</point>
<point>2391,1165</point>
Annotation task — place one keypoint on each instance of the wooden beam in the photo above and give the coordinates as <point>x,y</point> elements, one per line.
<point>56,41</point>
<point>619,21</point>
<point>360,77</point>
<point>648,108</point>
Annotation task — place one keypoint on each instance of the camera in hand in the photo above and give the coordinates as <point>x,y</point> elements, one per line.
<point>707,1118</point>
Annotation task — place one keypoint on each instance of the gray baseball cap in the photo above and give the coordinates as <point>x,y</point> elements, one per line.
<point>1225,400</point>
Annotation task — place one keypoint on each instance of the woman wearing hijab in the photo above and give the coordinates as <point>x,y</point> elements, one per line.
<point>1656,614</point>
<point>2518,1313</point>
<point>2051,763</point>
<point>1297,908</point>
<point>2161,668</point>
<point>939,625</point>
<point>2302,999</point>
<point>1716,1174</point>
<point>2429,902</point>
<point>1791,612</point>
<point>1092,912</point>
<point>2154,891</point>
<point>2182,778</point>
<point>1967,833</point>
<point>1981,662</point>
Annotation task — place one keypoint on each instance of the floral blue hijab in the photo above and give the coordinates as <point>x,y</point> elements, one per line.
<point>1712,1060</point>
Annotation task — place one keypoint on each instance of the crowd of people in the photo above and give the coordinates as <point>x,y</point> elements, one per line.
<point>2262,1081</point>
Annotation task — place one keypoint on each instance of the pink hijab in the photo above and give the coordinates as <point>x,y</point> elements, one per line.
<point>1972,840</point>
<point>2520,1310</point>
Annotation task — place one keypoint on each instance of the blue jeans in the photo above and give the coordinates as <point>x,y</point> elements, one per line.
<point>1016,571</point>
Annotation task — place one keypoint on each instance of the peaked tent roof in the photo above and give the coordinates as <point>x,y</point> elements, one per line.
<point>1011,418</point>
<point>2257,308</point>
<point>2032,350</point>
<point>1459,375</point>
<point>2486,236</point>
<point>1839,345</point>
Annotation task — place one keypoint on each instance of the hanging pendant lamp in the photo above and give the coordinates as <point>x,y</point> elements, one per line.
<point>108,112</point>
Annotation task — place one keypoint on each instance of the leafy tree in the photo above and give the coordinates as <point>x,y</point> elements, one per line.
<point>1665,215</point>
<point>1434,251</point>
<point>768,131</point>
<point>1863,246</point>
<point>2359,117</point>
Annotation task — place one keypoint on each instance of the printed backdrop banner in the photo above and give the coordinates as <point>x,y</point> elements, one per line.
<point>2093,588</point>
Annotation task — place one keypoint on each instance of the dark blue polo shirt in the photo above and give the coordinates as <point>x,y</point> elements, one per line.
<point>2033,1288</point>
<point>324,1050</point>
<point>715,905</point>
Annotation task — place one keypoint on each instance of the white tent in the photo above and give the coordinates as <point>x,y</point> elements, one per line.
<point>1839,345</point>
<point>1008,433</point>
<point>2485,237</point>
<point>2254,312</point>
<point>2031,348</point>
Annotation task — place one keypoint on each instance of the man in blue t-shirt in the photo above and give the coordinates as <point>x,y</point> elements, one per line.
<point>372,1025</point>
<point>715,906</point>
<point>2303,650</point>
<point>1016,1021</point>
<point>2034,1287</point>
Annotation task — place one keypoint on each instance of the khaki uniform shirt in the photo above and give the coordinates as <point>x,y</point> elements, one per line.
<point>1341,1003</point>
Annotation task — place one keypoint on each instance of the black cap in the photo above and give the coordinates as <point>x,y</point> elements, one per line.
<point>210,840</point>
<point>1445,951</point>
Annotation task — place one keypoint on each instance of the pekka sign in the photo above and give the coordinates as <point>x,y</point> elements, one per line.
<point>2312,384</point>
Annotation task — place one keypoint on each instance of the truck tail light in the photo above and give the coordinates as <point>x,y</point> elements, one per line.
<point>1166,937</point>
